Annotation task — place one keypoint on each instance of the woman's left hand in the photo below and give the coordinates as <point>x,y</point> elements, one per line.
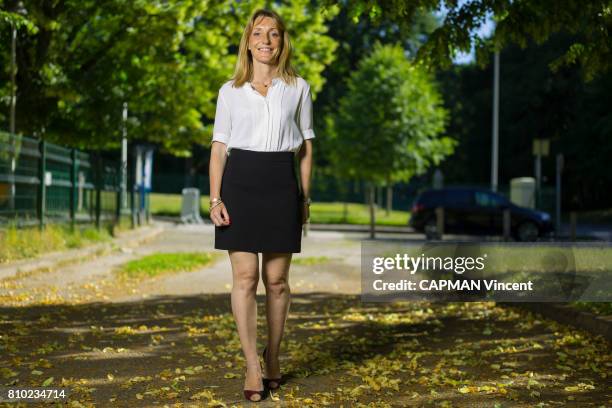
<point>305,213</point>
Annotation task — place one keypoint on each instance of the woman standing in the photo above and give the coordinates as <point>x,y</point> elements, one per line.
<point>263,121</point>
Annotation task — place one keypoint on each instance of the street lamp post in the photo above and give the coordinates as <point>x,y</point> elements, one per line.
<point>540,148</point>
<point>124,158</point>
<point>495,137</point>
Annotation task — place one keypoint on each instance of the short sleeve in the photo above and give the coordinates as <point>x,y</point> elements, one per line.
<point>223,124</point>
<point>305,116</point>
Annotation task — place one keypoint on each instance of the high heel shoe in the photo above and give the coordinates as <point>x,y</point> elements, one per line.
<point>249,393</point>
<point>267,381</point>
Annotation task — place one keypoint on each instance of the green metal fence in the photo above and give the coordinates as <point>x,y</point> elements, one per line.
<point>42,183</point>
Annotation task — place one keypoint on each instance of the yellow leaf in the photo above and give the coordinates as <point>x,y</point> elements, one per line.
<point>7,372</point>
<point>355,392</point>
<point>206,394</point>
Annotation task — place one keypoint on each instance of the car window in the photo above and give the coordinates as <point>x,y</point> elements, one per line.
<point>459,197</point>
<point>430,197</point>
<point>484,199</point>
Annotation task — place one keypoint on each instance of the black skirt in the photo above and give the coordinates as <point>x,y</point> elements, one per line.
<point>261,194</point>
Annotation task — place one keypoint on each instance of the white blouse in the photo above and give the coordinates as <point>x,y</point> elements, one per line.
<point>279,121</point>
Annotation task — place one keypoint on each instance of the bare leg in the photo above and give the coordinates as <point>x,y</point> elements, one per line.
<point>245,272</point>
<point>278,298</point>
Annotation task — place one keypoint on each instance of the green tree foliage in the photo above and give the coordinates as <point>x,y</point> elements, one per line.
<point>389,126</point>
<point>355,40</point>
<point>167,59</point>
<point>517,22</point>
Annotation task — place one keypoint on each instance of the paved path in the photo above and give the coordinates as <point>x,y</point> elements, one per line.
<point>335,269</point>
<point>171,340</point>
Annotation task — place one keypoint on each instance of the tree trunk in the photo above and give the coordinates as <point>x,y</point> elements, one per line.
<point>389,198</point>
<point>344,187</point>
<point>188,171</point>
<point>12,138</point>
<point>372,191</point>
<point>12,190</point>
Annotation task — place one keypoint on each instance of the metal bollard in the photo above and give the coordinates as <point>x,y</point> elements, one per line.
<point>439,222</point>
<point>507,224</point>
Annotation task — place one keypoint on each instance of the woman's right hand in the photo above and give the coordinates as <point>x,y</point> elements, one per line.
<point>219,216</point>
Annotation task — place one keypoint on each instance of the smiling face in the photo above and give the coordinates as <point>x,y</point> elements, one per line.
<point>265,40</point>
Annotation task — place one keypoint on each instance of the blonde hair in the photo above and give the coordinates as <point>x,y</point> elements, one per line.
<point>244,65</point>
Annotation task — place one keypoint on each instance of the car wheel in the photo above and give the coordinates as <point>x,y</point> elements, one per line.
<point>527,231</point>
<point>431,229</point>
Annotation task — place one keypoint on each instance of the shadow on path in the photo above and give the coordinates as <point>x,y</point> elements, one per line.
<point>337,351</point>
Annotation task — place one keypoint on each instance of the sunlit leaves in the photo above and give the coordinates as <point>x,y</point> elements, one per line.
<point>338,350</point>
<point>167,60</point>
<point>517,22</point>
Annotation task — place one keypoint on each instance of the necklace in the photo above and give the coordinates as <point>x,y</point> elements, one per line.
<point>263,83</point>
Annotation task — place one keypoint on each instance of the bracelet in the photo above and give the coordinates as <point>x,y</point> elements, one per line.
<point>214,200</point>
<point>215,204</point>
<point>306,201</point>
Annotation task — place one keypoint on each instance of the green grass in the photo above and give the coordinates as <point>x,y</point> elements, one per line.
<point>598,308</point>
<point>170,204</point>
<point>320,213</point>
<point>23,243</point>
<point>157,264</point>
<point>333,213</point>
<point>547,259</point>
<point>310,260</point>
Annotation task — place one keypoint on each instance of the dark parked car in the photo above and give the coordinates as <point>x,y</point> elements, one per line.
<point>477,211</point>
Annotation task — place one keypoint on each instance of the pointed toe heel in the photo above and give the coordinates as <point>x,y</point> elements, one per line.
<point>270,383</point>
